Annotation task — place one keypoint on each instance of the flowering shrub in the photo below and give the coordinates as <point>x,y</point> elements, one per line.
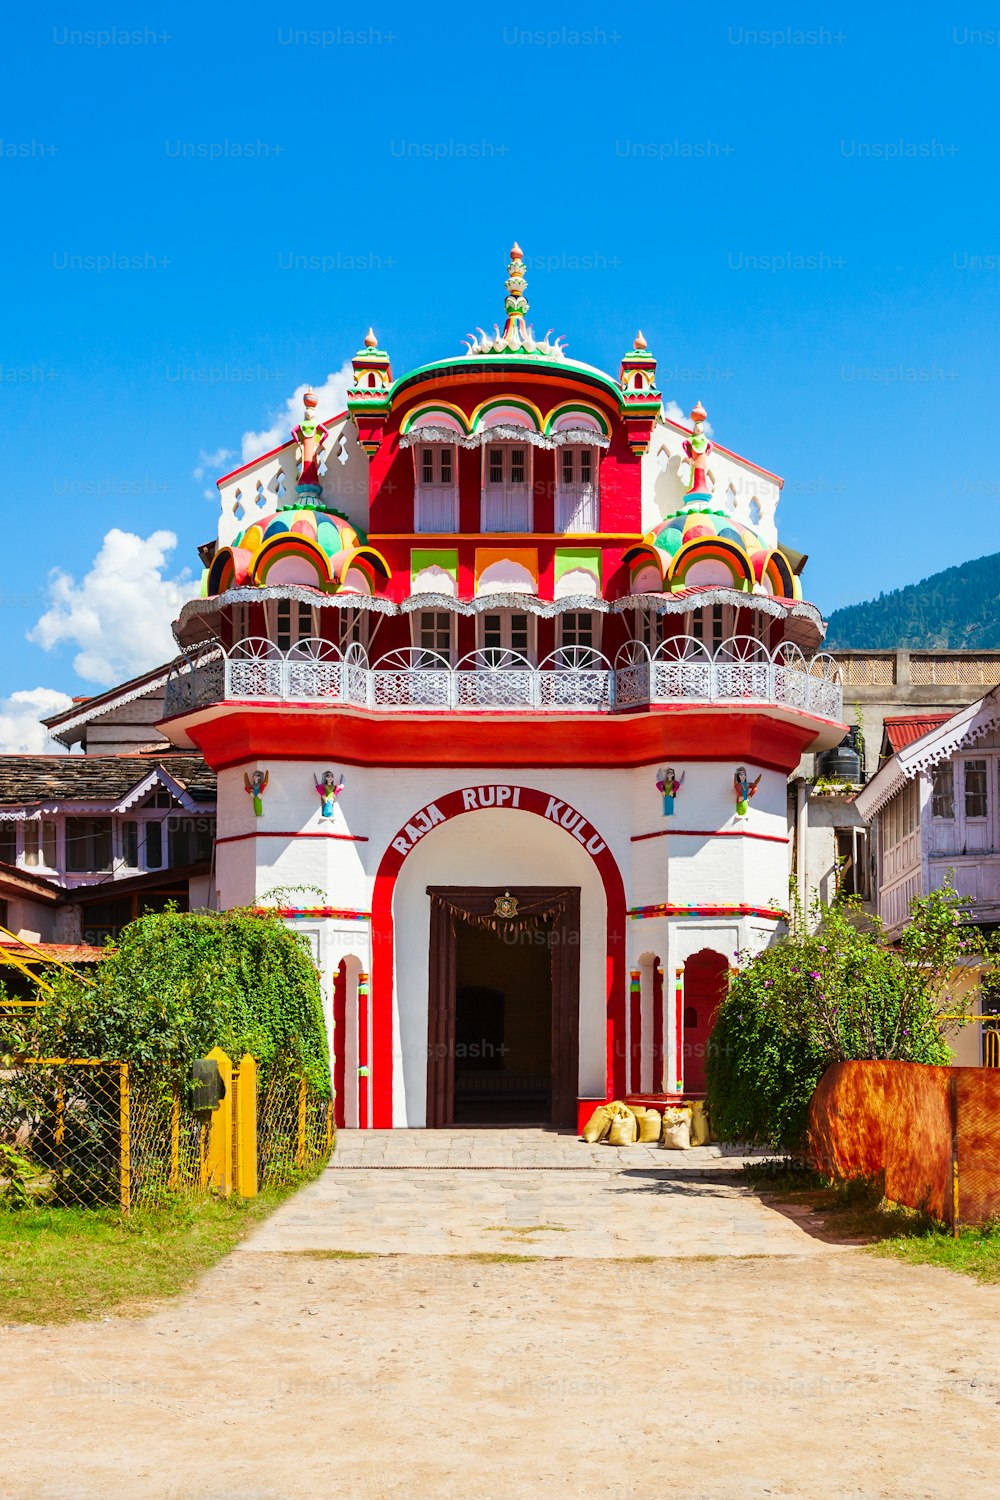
<point>820,997</point>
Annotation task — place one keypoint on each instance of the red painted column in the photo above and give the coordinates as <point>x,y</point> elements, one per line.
<point>658,1060</point>
<point>635,1032</point>
<point>364,1066</point>
<point>339,1042</point>
<point>678,1082</point>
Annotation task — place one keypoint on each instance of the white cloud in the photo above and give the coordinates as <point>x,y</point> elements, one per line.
<point>332,399</point>
<point>21,729</point>
<point>119,614</point>
<point>210,463</point>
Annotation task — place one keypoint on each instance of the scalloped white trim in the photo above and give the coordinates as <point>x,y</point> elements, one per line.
<point>506,432</point>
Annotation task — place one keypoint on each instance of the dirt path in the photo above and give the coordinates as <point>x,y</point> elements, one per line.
<point>287,1374</point>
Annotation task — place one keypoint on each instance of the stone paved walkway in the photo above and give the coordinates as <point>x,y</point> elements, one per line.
<point>292,1372</point>
<point>538,1192</point>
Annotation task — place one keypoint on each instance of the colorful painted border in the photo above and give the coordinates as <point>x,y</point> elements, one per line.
<point>289,913</point>
<point>666,909</point>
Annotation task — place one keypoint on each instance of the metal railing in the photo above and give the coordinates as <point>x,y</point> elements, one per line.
<point>572,679</point>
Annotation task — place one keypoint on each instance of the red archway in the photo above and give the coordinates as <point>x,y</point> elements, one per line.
<point>706,979</point>
<point>442,810</point>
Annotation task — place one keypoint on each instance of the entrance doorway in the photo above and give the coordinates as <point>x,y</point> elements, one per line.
<point>503,1006</point>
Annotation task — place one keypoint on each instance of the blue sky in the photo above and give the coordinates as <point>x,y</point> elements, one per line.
<point>799,211</point>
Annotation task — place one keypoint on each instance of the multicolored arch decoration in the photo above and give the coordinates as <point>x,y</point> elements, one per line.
<point>696,536</point>
<point>454,804</point>
<point>306,544</point>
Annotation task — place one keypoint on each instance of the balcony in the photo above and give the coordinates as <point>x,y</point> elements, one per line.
<point>574,679</point>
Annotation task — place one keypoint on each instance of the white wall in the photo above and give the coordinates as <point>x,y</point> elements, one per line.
<point>505,847</point>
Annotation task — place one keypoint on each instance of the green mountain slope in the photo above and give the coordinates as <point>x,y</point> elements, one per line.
<point>957,609</point>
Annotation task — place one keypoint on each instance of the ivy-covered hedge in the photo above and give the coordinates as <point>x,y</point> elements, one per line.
<point>177,984</point>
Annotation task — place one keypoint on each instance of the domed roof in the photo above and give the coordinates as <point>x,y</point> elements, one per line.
<point>330,531</point>
<point>300,543</point>
<point>685,527</point>
<point>701,547</point>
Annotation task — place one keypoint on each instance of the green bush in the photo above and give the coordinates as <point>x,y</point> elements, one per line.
<point>825,996</point>
<point>177,984</point>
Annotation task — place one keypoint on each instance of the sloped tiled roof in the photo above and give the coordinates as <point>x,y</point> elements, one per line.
<point>95,778</point>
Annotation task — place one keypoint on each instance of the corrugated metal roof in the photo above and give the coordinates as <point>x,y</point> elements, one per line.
<point>907,728</point>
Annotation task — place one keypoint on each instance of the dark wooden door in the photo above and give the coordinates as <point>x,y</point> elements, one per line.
<point>564,905</point>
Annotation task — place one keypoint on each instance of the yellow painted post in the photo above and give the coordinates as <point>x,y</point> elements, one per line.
<point>124,1140</point>
<point>175,1139</point>
<point>246,1128</point>
<point>300,1150</point>
<point>219,1156</point>
<point>329,1125</point>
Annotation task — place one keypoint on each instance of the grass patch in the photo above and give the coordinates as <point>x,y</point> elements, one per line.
<point>497,1258</point>
<point>976,1252</point>
<point>59,1265</point>
<point>858,1211</point>
<point>526,1229</point>
<point>336,1254</point>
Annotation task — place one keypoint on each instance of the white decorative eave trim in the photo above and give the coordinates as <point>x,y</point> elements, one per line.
<point>506,432</point>
<point>937,745</point>
<point>200,609</point>
<point>117,700</point>
<point>29,812</point>
<point>158,777</point>
<point>680,604</point>
<point>884,785</point>
<point>529,603</point>
<point>962,729</point>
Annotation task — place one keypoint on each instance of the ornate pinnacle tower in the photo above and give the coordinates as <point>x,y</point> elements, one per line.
<point>518,336</point>
<point>640,397</point>
<point>368,400</point>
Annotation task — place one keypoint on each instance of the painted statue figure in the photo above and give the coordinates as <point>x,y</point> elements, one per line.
<point>669,784</point>
<point>328,790</point>
<point>744,789</point>
<point>697,448</point>
<point>255,787</point>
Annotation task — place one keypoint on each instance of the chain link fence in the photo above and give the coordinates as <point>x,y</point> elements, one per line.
<point>85,1132</point>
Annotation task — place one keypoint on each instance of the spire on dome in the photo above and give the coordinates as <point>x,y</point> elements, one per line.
<point>518,336</point>
<point>371,342</point>
<point>697,447</point>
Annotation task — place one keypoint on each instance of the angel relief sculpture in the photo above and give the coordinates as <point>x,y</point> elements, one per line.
<point>328,789</point>
<point>255,786</point>
<point>668,784</point>
<point>745,789</point>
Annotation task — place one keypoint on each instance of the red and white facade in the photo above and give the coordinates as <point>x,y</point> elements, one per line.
<point>504,626</point>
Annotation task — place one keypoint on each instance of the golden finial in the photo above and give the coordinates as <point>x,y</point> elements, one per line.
<point>698,413</point>
<point>371,342</point>
<point>640,342</point>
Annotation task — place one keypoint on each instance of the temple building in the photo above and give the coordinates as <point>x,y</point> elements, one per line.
<point>502,673</point>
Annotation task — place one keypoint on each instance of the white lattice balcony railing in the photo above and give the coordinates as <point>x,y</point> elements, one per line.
<point>573,679</point>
